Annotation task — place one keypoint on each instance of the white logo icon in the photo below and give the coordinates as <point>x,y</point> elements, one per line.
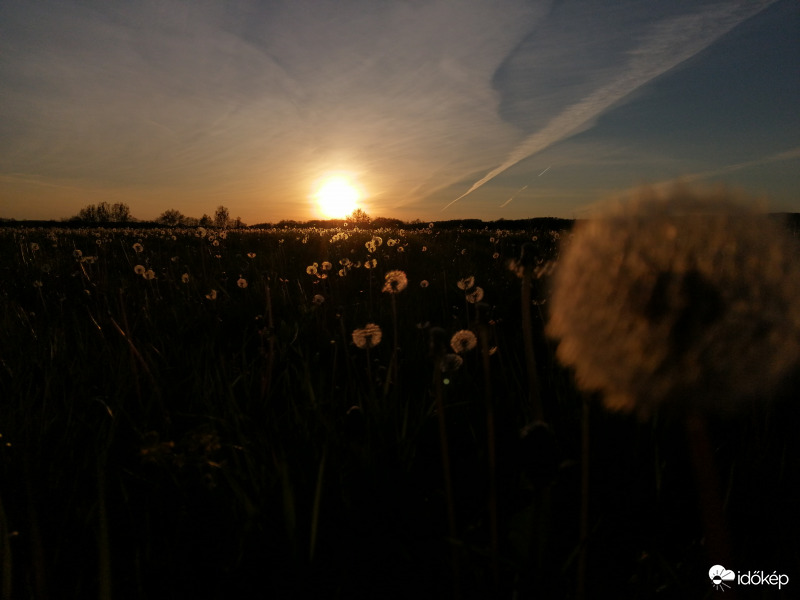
<point>719,575</point>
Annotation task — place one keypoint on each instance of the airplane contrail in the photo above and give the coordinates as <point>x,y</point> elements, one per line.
<point>669,44</point>
<point>545,171</point>
<point>515,194</point>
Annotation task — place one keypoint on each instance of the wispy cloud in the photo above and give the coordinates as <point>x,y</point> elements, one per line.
<point>664,46</point>
<point>788,155</point>
<point>259,99</point>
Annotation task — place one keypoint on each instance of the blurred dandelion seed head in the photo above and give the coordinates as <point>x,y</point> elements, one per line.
<point>139,269</point>
<point>685,300</point>
<point>451,363</point>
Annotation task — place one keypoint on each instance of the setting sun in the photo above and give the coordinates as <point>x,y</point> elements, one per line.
<point>337,197</point>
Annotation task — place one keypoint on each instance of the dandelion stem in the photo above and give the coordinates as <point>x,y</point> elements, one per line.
<point>391,375</point>
<point>490,444</point>
<point>584,517</point>
<point>717,543</point>
<point>534,393</point>
<point>104,549</point>
<point>448,483</point>
<point>266,380</point>
<point>315,511</point>
<point>5,552</point>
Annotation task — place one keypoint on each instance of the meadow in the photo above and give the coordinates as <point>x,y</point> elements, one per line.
<point>341,413</point>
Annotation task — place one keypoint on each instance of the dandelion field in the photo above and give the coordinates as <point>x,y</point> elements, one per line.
<point>345,413</point>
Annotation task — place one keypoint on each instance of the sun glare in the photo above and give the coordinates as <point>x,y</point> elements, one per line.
<point>337,197</point>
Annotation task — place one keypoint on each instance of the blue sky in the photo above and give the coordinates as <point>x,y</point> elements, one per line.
<point>437,109</point>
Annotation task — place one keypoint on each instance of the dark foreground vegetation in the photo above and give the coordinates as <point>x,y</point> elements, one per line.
<point>195,413</point>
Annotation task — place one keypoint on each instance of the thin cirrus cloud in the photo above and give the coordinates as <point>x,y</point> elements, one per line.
<point>253,99</point>
<point>168,104</point>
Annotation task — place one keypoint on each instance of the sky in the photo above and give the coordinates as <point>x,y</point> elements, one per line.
<point>432,109</point>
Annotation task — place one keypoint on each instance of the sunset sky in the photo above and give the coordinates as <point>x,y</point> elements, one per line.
<point>432,109</point>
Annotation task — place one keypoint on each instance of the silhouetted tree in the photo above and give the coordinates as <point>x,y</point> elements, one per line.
<point>88,213</point>
<point>105,213</point>
<point>171,218</point>
<point>120,212</point>
<point>359,217</point>
<point>205,221</point>
<point>221,217</point>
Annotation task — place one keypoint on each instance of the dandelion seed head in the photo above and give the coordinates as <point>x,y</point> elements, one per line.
<point>396,282</point>
<point>466,283</point>
<point>139,269</point>
<point>185,278</point>
<point>138,248</point>
<point>311,269</point>
<point>241,282</point>
<point>681,301</point>
<point>251,255</point>
<point>319,299</point>
<point>368,337</point>
<point>475,295</point>
<point>463,341</point>
<point>149,274</point>
<point>424,283</point>
<point>212,295</point>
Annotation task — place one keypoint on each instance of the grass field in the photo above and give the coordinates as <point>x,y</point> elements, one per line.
<point>190,413</point>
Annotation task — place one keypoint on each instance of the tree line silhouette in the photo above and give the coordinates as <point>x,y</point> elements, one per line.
<point>105,213</point>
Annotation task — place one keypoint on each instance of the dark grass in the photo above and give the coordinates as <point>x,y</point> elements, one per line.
<point>158,444</point>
